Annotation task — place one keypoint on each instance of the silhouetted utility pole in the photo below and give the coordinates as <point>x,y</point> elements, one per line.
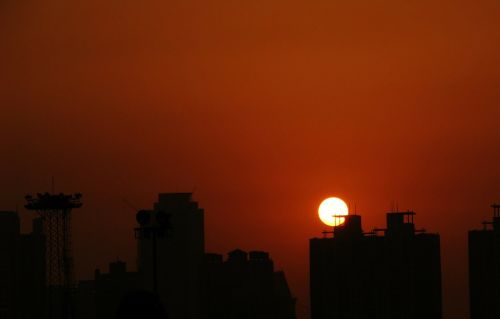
<point>55,211</point>
<point>153,229</point>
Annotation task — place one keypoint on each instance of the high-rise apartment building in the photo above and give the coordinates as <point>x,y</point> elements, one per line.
<point>170,253</point>
<point>484,269</point>
<point>391,273</point>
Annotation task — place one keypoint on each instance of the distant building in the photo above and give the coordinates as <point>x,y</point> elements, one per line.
<point>100,298</point>
<point>245,286</point>
<point>356,275</point>
<point>179,253</point>
<point>189,284</point>
<point>85,300</point>
<point>22,269</point>
<point>9,261</point>
<point>194,285</point>
<point>484,269</point>
<point>110,288</point>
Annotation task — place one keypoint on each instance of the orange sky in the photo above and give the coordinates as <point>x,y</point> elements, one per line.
<point>263,108</point>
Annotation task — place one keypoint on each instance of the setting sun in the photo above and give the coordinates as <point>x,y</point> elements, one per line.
<point>330,210</point>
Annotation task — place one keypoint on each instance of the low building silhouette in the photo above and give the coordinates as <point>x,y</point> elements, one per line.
<point>22,269</point>
<point>484,269</point>
<point>392,275</point>
<point>141,304</point>
<point>111,287</point>
<point>85,300</point>
<point>245,286</point>
<point>100,298</point>
<point>186,283</point>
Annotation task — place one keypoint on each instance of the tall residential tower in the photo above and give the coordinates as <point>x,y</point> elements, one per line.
<point>484,269</point>
<point>170,257</point>
<point>391,273</point>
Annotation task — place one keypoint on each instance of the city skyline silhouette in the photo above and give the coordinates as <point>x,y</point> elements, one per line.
<point>175,276</point>
<point>353,273</point>
<point>262,109</point>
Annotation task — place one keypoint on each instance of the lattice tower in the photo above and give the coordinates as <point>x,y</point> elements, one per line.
<point>55,211</point>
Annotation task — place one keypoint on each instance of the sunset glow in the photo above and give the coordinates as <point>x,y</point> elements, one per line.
<point>330,209</point>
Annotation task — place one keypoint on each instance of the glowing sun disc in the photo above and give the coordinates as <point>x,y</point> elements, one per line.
<point>330,209</point>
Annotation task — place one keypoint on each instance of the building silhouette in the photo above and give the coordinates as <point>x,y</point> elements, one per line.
<point>111,287</point>
<point>192,284</point>
<point>100,298</point>
<point>141,304</point>
<point>484,269</point>
<point>85,300</point>
<point>391,273</point>
<point>245,286</point>
<point>175,255</point>
<point>174,277</point>
<point>22,269</point>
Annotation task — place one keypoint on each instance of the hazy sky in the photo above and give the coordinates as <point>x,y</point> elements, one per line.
<point>262,108</point>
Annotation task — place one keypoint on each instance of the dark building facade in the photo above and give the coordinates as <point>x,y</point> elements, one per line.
<point>174,270</point>
<point>192,284</point>
<point>179,255</point>
<point>101,297</point>
<point>393,275</point>
<point>22,269</point>
<point>245,286</point>
<point>484,269</point>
